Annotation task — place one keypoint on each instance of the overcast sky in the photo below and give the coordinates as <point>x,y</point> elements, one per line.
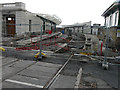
<point>70,11</point>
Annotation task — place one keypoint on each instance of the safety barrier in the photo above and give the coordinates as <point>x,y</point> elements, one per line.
<point>35,45</point>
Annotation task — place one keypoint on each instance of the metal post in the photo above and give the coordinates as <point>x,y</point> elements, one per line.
<point>1,42</point>
<point>82,29</point>
<point>105,63</point>
<point>51,27</point>
<point>40,57</point>
<point>43,26</point>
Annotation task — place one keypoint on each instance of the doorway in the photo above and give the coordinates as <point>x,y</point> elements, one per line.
<point>10,26</point>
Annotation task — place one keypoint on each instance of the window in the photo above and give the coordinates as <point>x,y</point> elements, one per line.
<point>116,18</point>
<point>110,21</point>
<point>9,5</point>
<point>9,19</point>
<point>105,22</point>
<point>30,25</point>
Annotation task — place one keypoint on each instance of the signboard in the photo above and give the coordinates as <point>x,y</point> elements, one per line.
<point>118,33</point>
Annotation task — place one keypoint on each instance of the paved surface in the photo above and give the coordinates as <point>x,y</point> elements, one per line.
<point>110,76</point>
<point>19,70</point>
<point>23,73</point>
<point>94,73</point>
<point>68,76</point>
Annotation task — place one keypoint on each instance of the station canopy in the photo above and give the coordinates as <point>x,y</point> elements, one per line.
<point>52,18</point>
<point>117,1</point>
<point>78,24</point>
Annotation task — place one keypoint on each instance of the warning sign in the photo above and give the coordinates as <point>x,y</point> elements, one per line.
<point>118,33</point>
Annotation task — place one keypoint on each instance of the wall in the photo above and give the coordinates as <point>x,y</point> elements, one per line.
<point>114,42</point>
<point>87,29</point>
<point>94,31</point>
<point>47,26</point>
<point>23,17</point>
<point>13,6</point>
<point>35,21</point>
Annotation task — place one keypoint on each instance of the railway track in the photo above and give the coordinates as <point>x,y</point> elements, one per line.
<point>57,74</point>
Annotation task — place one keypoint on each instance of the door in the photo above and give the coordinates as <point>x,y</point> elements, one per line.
<point>10,26</point>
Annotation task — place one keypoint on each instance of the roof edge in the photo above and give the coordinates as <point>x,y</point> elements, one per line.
<point>108,9</point>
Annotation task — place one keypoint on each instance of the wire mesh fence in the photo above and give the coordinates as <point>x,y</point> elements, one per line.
<point>28,36</point>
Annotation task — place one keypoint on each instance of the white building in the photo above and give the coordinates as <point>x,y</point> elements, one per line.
<point>79,27</point>
<point>111,15</point>
<point>95,29</point>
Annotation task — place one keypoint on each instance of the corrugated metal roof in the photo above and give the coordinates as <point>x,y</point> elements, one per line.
<point>78,24</point>
<point>52,18</point>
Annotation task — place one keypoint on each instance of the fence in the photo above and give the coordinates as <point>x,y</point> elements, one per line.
<point>28,38</point>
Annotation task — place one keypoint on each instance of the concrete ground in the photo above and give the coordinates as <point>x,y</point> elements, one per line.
<point>21,70</point>
<point>24,72</point>
<point>94,76</point>
<point>19,73</point>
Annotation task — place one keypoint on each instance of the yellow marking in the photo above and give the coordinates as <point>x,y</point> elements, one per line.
<point>86,53</point>
<point>37,55</point>
<point>2,49</point>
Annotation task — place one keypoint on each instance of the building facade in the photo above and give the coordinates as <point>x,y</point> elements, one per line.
<point>0,25</point>
<point>111,15</point>
<point>112,25</point>
<point>78,27</point>
<point>16,20</point>
<point>95,28</point>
